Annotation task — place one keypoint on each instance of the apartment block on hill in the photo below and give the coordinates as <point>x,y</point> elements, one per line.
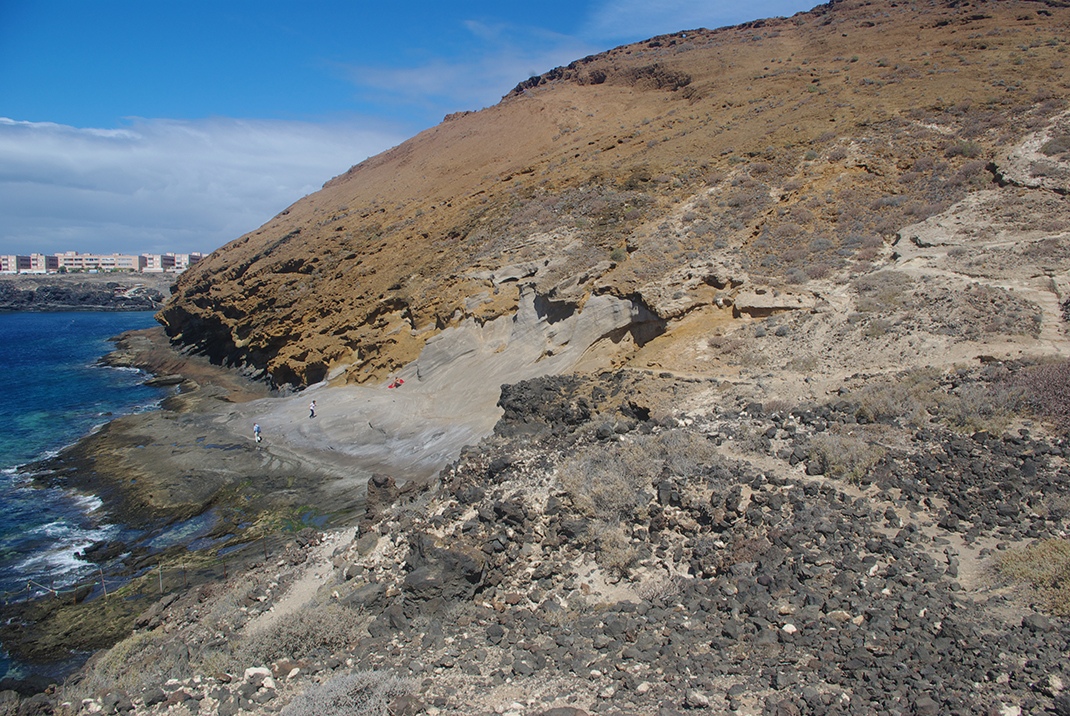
<point>73,261</point>
<point>32,263</point>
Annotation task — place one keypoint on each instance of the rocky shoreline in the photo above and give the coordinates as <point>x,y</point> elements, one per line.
<point>185,489</point>
<point>84,292</point>
<point>647,544</point>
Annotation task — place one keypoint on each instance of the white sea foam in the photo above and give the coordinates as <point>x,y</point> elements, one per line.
<point>61,564</point>
<point>86,503</point>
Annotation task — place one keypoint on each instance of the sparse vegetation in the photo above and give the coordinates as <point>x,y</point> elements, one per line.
<point>845,456</point>
<point>614,483</point>
<point>1045,566</point>
<point>314,628</point>
<point>882,290</point>
<point>358,693</point>
<point>1047,391</point>
<point>1057,146</point>
<point>140,660</point>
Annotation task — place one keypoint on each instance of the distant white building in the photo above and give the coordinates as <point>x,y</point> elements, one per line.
<point>74,261</point>
<point>33,263</point>
<point>11,263</point>
<point>184,261</point>
<point>158,263</point>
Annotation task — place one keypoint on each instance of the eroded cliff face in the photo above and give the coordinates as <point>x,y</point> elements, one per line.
<point>691,176</point>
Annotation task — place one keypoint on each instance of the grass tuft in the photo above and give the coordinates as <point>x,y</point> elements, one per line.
<point>1044,565</point>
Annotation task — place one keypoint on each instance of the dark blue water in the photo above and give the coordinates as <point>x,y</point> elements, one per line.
<point>53,393</point>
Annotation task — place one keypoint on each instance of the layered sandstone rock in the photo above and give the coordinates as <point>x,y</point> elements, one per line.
<point>788,151</point>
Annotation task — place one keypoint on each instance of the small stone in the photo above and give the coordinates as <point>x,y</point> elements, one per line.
<point>1036,622</point>
<point>696,700</point>
<point>257,674</point>
<point>925,706</point>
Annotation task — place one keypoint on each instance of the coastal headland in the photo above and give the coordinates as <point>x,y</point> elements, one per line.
<point>733,378</point>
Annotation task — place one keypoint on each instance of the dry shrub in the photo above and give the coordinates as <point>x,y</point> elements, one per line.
<point>844,456</point>
<point>141,660</point>
<point>905,399</point>
<point>1057,146</point>
<point>331,628</point>
<point>359,693</point>
<point>915,397</point>
<point>1047,391</point>
<point>613,481</point>
<point>684,453</point>
<point>615,549</point>
<point>882,291</point>
<point>1045,565</point>
<point>610,482</point>
<point>979,406</point>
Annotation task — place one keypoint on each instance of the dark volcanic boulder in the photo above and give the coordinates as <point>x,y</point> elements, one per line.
<point>382,492</point>
<point>442,573</point>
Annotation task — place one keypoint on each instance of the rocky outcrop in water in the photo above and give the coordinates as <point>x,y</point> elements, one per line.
<point>73,294</point>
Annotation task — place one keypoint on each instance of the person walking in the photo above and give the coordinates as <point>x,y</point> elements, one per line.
<point>312,409</point>
<point>256,431</point>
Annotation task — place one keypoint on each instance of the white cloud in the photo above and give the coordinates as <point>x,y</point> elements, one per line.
<point>501,57</point>
<point>163,185</point>
<point>627,20</point>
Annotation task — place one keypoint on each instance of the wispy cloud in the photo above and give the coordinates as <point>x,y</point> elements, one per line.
<point>499,56</point>
<point>162,185</point>
<point>627,20</point>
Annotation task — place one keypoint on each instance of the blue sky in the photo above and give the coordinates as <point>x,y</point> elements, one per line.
<point>148,125</point>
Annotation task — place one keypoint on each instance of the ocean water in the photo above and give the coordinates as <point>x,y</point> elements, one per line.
<point>53,393</point>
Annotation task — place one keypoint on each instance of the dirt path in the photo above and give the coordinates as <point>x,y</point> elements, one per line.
<point>316,572</point>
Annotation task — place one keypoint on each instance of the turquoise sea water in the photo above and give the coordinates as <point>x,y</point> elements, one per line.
<point>52,393</point>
